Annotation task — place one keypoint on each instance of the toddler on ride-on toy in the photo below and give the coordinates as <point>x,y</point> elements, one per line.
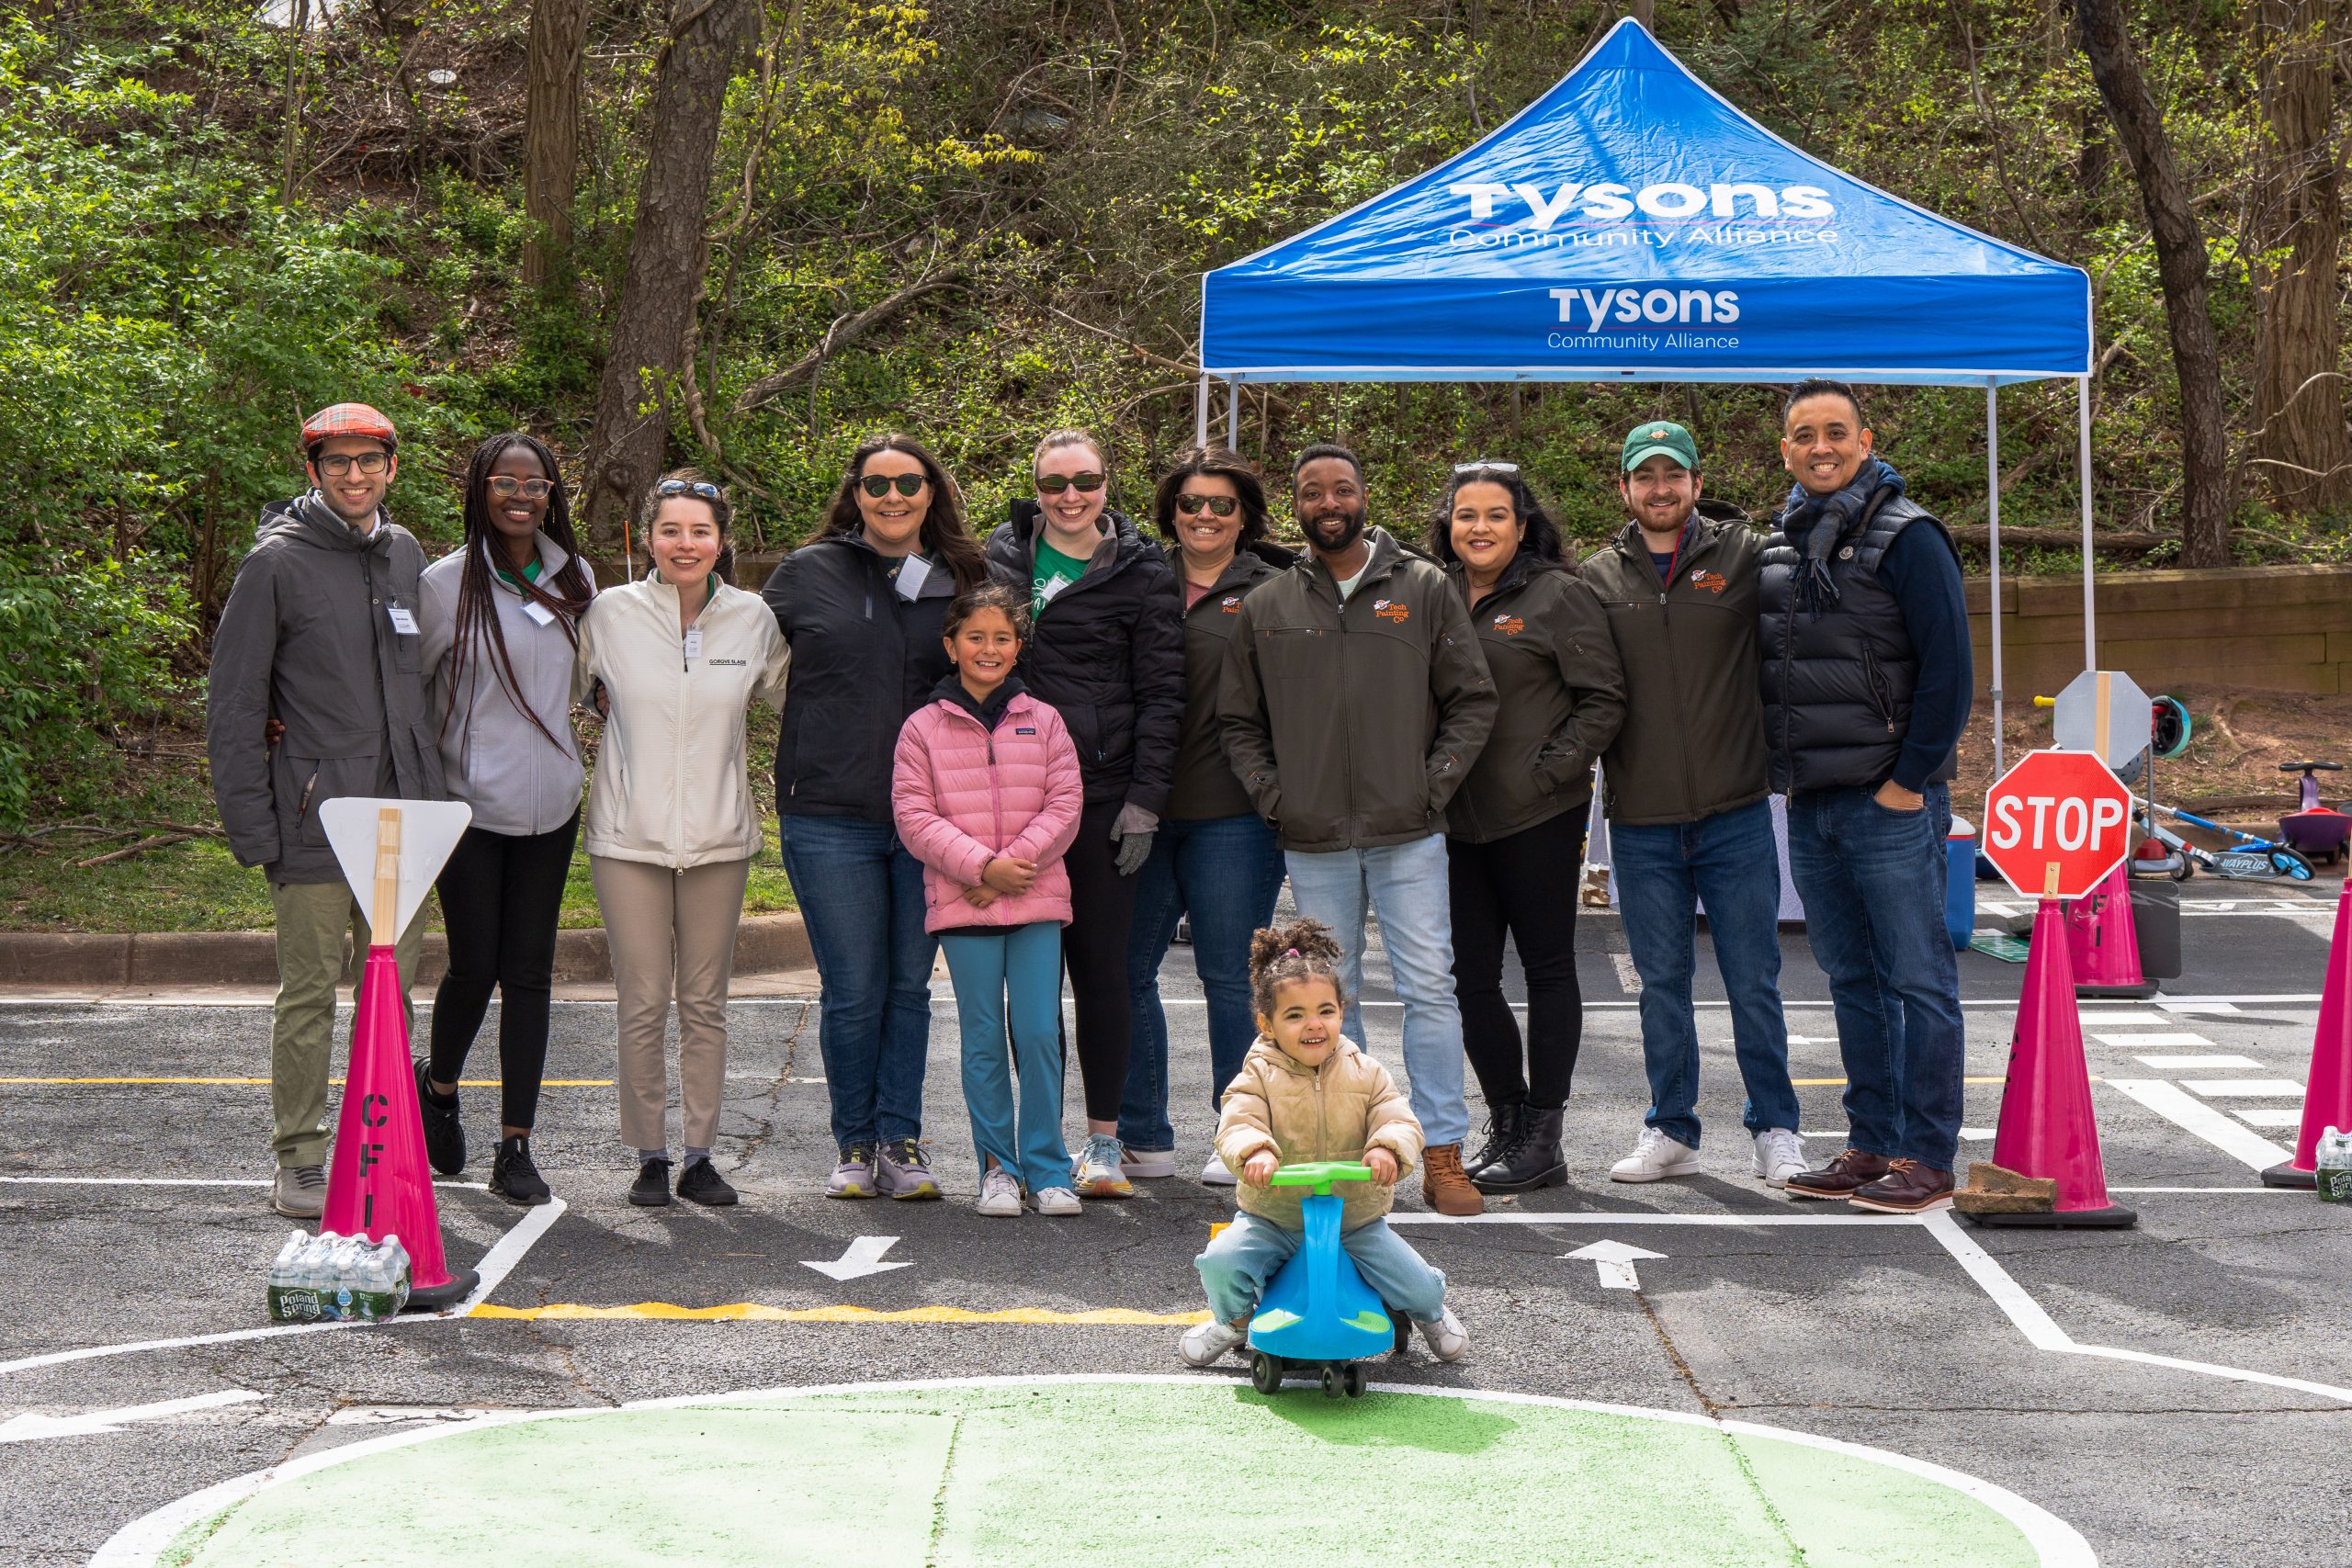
<point>1306,1093</point>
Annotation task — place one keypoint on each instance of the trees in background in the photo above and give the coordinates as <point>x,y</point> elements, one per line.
<point>558,40</point>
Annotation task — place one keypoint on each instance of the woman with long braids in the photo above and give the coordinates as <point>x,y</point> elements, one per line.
<point>863,607</point>
<point>500,618</point>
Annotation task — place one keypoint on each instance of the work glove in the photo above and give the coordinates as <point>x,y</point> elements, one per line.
<point>1132,832</point>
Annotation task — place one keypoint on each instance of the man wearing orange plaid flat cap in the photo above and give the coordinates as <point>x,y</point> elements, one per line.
<point>315,693</point>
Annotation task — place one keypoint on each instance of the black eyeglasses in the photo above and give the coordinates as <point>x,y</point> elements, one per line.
<point>701,490</point>
<point>1489,467</point>
<point>506,486</point>
<point>879,485</point>
<point>1217,505</point>
<point>341,463</point>
<point>1053,484</point>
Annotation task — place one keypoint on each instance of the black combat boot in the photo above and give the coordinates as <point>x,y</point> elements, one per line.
<point>1502,1130</point>
<point>1532,1160</point>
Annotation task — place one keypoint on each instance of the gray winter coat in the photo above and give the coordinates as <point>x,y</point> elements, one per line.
<point>308,638</point>
<point>495,759</point>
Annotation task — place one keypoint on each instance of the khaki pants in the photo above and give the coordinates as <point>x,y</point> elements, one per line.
<point>672,933</point>
<point>312,918</point>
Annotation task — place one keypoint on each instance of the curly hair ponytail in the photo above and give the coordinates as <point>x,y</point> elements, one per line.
<point>1286,955</point>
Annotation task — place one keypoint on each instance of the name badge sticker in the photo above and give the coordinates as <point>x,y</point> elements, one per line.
<point>1055,586</point>
<point>403,619</point>
<point>912,571</point>
<point>694,643</point>
<point>538,612</point>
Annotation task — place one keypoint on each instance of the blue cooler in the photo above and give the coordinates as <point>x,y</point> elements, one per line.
<point>1960,882</point>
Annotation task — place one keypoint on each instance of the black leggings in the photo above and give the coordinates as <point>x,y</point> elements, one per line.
<point>1095,950</point>
<point>501,896</point>
<point>1526,885</point>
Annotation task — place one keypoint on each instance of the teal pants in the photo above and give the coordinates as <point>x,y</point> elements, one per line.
<point>1011,980</point>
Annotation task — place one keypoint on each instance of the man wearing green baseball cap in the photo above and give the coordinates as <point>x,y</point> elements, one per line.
<point>1685,790</point>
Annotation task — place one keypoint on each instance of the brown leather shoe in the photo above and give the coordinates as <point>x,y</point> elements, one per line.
<point>1842,1177</point>
<point>1444,1186</point>
<point>1908,1188</point>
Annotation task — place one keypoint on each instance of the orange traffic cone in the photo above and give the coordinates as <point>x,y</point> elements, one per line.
<point>2327,1090</point>
<point>378,1184</point>
<point>2047,1130</point>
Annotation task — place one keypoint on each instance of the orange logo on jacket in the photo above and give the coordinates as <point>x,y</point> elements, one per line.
<point>1510,624</point>
<point>1713,581</point>
<point>1389,610</point>
<point>1232,604</point>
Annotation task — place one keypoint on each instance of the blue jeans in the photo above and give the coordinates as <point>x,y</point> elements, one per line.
<point>1250,1251</point>
<point>1224,872</point>
<point>1664,870</point>
<point>861,894</point>
<point>1023,963</point>
<point>1873,881</point>
<point>1405,885</point>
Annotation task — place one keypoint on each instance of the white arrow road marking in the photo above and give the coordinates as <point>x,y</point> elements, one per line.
<point>33,1426</point>
<point>1613,1261</point>
<point>864,1257</point>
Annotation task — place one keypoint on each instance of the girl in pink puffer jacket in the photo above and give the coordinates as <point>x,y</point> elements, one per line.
<point>985,792</point>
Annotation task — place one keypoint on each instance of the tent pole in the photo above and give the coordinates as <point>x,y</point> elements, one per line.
<point>1993,515</point>
<point>1201,412</point>
<point>2082,477</point>
<point>1233,415</point>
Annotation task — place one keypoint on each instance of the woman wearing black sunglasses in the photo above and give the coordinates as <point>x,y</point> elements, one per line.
<point>1107,652</point>
<point>500,616</point>
<point>861,607</point>
<point>1213,858</point>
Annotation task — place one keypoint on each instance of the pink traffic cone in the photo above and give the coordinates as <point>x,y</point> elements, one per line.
<point>2048,1129</point>
<point>2103,943</point>
<point>2327,1090</point>
<point>379,1184</point>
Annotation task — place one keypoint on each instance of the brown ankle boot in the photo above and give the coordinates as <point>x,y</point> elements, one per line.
<point>1444,1186</point>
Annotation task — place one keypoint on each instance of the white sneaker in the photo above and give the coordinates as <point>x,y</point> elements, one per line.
<point>1655,1157</point>
<point>1206,1344</point>
<point>1055,1201</point>
<point>1446,1338</point>
<point>1146,1165</point>
<point>1780,1154</point>
<point>1000,1196</point>
<point>1214,1174</point>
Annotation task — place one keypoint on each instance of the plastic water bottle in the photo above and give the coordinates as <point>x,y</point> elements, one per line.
<point>2331,1158</point>
<point>288,1300</point>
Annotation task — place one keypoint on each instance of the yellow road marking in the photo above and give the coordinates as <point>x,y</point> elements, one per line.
<point>462,1083</point>
<point>759,1312</point>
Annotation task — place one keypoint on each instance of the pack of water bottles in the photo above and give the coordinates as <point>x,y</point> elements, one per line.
<point>328,1278</point>
<point>2331,1158</point>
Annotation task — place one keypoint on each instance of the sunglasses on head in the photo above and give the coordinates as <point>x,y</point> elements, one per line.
<point>1489,467</point>
<point>880,485</point>
<point>1053,484</point>
<point>701,490</point>
<point>506,486</point>
<point>1216,505</point>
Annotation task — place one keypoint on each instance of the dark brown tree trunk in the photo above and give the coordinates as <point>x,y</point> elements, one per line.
<point>2301,446</point>
<point>551,133</point>
<point>2180,262</point>
<point>667,253</point>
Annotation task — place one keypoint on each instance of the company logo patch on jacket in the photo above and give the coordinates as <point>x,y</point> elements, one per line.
<point>1024,729</point>
<point>1389,610</point>
<point>1713,581</point>
<point>726,663</point>
<point>1510,624</point>
<point>1230,604</point>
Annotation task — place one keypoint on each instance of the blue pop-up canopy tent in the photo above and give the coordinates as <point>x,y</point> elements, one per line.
<point>1632,225</point>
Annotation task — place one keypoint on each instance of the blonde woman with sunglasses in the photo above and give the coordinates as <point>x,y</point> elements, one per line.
<point>1107,653</point>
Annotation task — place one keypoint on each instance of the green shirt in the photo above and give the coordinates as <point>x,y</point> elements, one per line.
<point>1052,573</point>
<point>530,573</point>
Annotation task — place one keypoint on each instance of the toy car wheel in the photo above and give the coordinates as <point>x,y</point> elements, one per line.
<point>1265,1373</point>
<point>1351,1379</point>
<point>1331,1382</point>
<point>1404,1334</point>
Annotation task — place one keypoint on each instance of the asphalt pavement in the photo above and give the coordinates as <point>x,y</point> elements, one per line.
<point>2174,1392</point>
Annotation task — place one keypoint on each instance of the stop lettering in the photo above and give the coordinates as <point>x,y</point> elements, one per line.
<point>2056,824</point>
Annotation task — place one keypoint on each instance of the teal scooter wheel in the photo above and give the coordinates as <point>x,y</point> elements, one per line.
<point>1266,1372</point>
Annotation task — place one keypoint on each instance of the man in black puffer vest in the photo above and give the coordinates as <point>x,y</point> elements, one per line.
<point>1867,677</point>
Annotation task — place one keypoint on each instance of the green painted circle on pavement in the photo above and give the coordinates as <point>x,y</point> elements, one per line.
<point>1165,1472</point>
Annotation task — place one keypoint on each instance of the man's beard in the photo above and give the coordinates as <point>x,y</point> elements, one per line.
<point>1350,531</point>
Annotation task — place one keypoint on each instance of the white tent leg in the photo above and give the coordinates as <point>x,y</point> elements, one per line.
<point>1992,518</point>
<point>1201,412</point>
<point>1233,414</point>
<point>2083,476</point>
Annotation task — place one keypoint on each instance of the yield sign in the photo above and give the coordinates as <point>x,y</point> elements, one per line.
<point>2056,824</point>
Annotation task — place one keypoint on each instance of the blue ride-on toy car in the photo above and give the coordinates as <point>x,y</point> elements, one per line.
<point>1318,1316</point>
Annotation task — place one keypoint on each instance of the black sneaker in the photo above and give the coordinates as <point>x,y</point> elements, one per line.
<point>702,1184</point>
<point>444,1135</point>
<point>512,1175</point>
<point>651,1187</point>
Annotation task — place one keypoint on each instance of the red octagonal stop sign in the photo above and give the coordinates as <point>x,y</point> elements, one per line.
<point>2056,824</point>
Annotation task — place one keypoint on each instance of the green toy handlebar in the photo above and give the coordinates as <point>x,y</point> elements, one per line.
<point>1319,1175</point>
